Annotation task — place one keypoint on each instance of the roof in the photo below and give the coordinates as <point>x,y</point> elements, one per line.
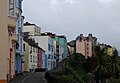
<point>72,43</point>
<point>32,43</point>
<point>48,34</point>
<point>62,36</point>
<point>27,23</point>
<point>86,38</point>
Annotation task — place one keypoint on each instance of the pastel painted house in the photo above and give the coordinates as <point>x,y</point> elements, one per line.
<point>47,43</point>
<point>19,46</point>
<point>41,59</point>
<point>60,46</point>
<point>8,40</point>
<point>86,45</point>
<point>63,43</point>
<point>33,29</point>
<point>31,55</point>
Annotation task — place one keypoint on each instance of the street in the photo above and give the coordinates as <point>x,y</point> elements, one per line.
<point>37,77</point>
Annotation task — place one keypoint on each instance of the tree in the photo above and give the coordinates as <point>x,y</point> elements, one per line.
<point>100,65</point>
<point>74,69</point>
<point>115,64</point>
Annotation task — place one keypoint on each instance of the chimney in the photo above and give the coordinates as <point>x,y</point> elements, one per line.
<point>81,37</point>
<point>90,35</point>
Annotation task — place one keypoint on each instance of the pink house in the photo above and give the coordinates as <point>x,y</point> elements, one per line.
<point>86,45</point>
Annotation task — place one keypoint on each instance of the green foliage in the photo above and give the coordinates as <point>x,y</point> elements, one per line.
<point>104,66</point>
<point>113,80</point>
<point>101,67</point>
<point>67,78</point>
<point>74,69</point>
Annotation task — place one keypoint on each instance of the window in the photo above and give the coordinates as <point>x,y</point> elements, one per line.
<point>12,7</point>
<point>87,48</point>
<point>52,49</point>
<point>36,50</point>
<point>33,58</point>
<point>48,47</point>
<point>17,45</point>
<point>24,47</point>
<point>33,49</point>
<point>20,4</point>
<point>87,52</point>
<point>87,44</point>
<point>30,58</point>
<point>49,56</point>
<point>52,57</point>
<point>30,49</point>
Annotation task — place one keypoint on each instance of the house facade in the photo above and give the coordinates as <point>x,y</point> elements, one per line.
<point>72,47</point>
<point>19,45</point>
<point>41,59</point>
<point>47,43</point>
<point>31,55</point>
<point>60,46</point>
<point>86,45</point>
<point>63,43</point>
<point>33,29</point>
<point>8,39</point>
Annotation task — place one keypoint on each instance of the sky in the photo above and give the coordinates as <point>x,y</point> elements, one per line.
<point>73,17</point>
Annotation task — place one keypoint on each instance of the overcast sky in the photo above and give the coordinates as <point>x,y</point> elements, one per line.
<point>73,17</point>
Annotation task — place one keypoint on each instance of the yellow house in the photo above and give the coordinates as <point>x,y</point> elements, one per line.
<point>110,51</point>
<point>26,54</point>
<point>31,55</point>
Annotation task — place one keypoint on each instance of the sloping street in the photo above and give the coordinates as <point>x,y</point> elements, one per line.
<point>37,77</point>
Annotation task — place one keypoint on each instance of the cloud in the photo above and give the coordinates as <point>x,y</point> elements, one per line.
<point>71,1</point>
<point>72,17</point>
<point>55,2</point>
<point>105,1</point>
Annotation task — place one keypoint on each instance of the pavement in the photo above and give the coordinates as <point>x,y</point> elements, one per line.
<point>36,77</point>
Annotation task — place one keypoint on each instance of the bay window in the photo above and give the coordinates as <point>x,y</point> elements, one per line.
<point>11,7</point>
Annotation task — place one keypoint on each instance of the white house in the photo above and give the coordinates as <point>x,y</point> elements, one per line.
<point>47,44</point>
<point>32,29</point>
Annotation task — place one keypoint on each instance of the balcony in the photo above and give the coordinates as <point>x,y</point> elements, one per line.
<point>11,22</point>
<point>14,37</point>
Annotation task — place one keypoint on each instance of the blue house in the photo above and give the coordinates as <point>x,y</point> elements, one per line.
<point>19,45</point>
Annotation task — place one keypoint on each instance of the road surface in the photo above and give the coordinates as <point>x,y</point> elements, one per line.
<point>37,77</point>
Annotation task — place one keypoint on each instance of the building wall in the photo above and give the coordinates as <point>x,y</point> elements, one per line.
<point>43,60</point>
<point>26,57</point>
<point>88,48</point>
<point>61,52</point>
<point>63,43</point>
<point>39,59</point>
<point>86,45</point>
<point>55,51</point>
<point>71,50</point>
<point>46,42</point>
<point>80,47</point>
<point>110,51</point>
<point>19,27</point>
<point>7,51</point>
<point>29,29</point>
<point>30,57</point>
<point>34,30</point>
<point>33,58</point>
<point>4,44</point>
